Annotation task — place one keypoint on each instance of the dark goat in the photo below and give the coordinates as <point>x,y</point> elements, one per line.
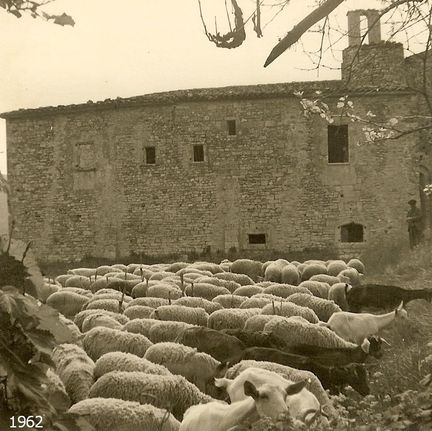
<point>256,338</point>
<point>338,357</point>
<point>332,378</point>
<point>215,343</point>
<point>383,296</point>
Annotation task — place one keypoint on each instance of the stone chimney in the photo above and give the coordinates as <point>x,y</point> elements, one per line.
<point>376,63</point>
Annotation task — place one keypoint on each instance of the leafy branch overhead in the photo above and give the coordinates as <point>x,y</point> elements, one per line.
<point>35,9</point>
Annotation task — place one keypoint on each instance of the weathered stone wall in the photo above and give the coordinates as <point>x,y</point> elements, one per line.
<point>3,214</point>
<point>273,177</point>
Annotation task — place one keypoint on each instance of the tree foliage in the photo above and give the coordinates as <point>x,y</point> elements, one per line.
<point>35,9</point>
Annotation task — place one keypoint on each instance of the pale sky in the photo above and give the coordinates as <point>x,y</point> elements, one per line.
<point>134,47</point>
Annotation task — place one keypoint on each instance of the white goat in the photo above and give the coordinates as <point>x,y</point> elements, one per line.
<point>302,404</point>
<point>266,401</point>
<point>355,327</point>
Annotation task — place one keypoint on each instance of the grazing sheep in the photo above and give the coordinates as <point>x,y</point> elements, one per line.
<point>75,370</point>
<point>138,312</point>
<point>61,279</point>
<point>332,378</point>
<point>228,284</point>
<point>55,391</point>
<point>241,279</point>
<point>215,343</point>
<point>338,294</point>
<point>85,272</point>
<point>334,267</point>
<point>273,271</point>
<point>100,340</point>
<point>79,318</point>
<point>355,327</point>
<point>67,303</point>
<point>105,269</point>
<point>160,275</point>
<point>251,268</point>
<point>199,368</point>
<point>74,330</point>
<point>46,290</point>
<point>248,290</point>
<point>231,318</point>
<point>164,290</point>
<point>205,290</point>
<point>149,302</point>
<point>113,295</point>
<point>140,326</point>
<point>265,283</point>
<point>258,301</point>
<point>226,265</point>
<point>101,284</point>
<point>323,308</point>
<point>353,275</point>
<point>189,270</point>
<point>302,404</point>
<point>325,278</point>
<point>265,401</point>
<point>256,323</point>
<point>174,393</point>
<point>317,288</point>
<point>78,290</point>
<point>113,305</point>
<point>213,268</point>
<point>181,313</point>
<point>313,269</point>
<point>383,296</point>
<point>177,266</point>
<point>196,302</point>
<point>356,264</point>
<point>288,373</point>
<point>120,361</point>
<point>167,330</point>
<point>290,275</point>
<point>285,290</point>
<point>295,330</point>
<point>230,301</point>
<point>100,319</point>
<point>288,309</point>
<point>114,414</point>
<point>78,281</point>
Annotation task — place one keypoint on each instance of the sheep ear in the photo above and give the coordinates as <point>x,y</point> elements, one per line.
<point>365,345</point>
<point>250,390</point>
<point>385,341</point>
<point>295,388</point>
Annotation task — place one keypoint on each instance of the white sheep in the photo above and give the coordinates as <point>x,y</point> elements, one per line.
<point>241,279</point>
<point>231,318</point>
<point>55,392</point>
<point>353,275</point>
<point>228,284</point>
<point>67,303</point>
<point>251,268</point>
<point>257,323</point>
<point>149,302</point>
<point>78,281</point>
<point>199,368</point>
<point>140,326</point>
<point>74,330</point>
<point>337,293</point>
<point>205,290</point>
<point>334,267</point>
<point>325,278</point>
<point>285,290</point>
<point>296,330</point>
<point>258,301</point>
<point>181,313</point>
<point>61,279</point>
<point>113,305</point>
<point>174,393</point>
<point>248,290</point>
<point>85,272</point>
<point>355,327</point>
<point>230,301</point>
<point>79,318</point>
<point>100,319</point>
<point>114,414</point>
<point>213,268</point>
<point>323,308</point>
<point>138,312</point>
<point>273,271</point>
<point>265,401</point>
<point>288,309</point>
<point>357,264</point>
<point>114,294</point>
<point>120,361</point>
<point>288,373</point>
<point>290,275</point>
<point>302,404</point>
<point>78,290</point>
<point>196,302</point>
<point>101,340</point>
<point>167,330</point>
<point>75,369</point>
<point>317,288</point>
<point>311,269</point>
<point>164,290</point>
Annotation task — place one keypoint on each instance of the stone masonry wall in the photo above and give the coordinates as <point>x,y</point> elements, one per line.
<point>80,186</point>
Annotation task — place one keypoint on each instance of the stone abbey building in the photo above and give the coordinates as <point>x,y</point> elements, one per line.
<point>221,168</point>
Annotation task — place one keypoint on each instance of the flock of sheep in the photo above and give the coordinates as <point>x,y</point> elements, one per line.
<point>204,346</point>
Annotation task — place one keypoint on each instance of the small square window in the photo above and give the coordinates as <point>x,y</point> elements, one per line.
<point>198,153</point>
<point>232,127</point>
<point>257,238</point>
<point>352,232</point>
<point>150,155</point>
<point>338,144</point>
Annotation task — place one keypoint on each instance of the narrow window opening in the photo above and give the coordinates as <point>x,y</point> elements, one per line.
<point>257,238</point>
<point>352,232</point>
<point>150,155</point>
<point>338,144</point>
<point>232,127</point>
<point>198,153</point>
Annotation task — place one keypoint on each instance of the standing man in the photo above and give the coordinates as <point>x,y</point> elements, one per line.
<point>415,223</point>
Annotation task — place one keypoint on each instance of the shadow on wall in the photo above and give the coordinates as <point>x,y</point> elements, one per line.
<point>4,215</point>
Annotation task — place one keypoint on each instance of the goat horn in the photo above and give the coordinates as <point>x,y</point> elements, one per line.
<point>385,341</point>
